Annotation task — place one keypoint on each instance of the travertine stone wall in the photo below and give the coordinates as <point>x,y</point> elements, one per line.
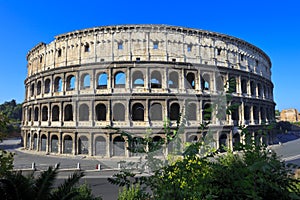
<point>134,77</point>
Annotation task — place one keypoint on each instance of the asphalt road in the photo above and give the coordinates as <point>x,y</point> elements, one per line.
<point>288,150</point>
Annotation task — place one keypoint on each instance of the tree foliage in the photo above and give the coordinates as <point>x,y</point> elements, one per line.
<point>16,186</point>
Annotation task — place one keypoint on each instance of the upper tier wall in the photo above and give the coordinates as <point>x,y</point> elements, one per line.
<point>148,43</point>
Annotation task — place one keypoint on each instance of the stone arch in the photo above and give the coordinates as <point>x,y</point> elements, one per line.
<point>28,141</point>
<point>156,79</point>
<point>255,114</point>
<point>36,114</point>
<point>67,144</point>
<point>43,142</point>
<point>246,112</point>
<point>137,112</point>
<point>118,146</point>
<point>207,112</point>
<point>54,144</point>
<point>259,90</point>
<point>244,86</point>
<point>83,145</point>
<point>156,112</point>
<point>193,138</point>
<point>173,80</point>
<point>29,114</point>
<point>100,112</point>
<point>68,114</point>
<point>39,87</point>
<point>32,90</point>
<point>253,88</point>
<point>100,146</point>
<point>85,81</point>
<point>190,80</point>
<point>120,80</point>
<point>174,111</point>
<point>205,81</point>
<point>84,112</point>
<point>137,79</point>
<point>118,112</point>
<point>45,113</point>
<point>137,146</point>
<point>47,86</point>
<point>192,111</point>
<point>55,113</point>
<point>102,81</point>
<point>236,140</point>
<point>57,84</point>
<point>35,141</point>
<point>71,82</point>
<point>222,142</point>
<point>157,139</point>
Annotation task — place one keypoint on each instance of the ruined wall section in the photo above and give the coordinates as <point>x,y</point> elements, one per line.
<point>148,43</point>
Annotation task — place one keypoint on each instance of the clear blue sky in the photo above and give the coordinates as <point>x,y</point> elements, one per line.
<point>273,26</point>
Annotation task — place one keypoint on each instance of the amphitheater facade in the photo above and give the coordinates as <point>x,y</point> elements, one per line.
<point>134,77</point>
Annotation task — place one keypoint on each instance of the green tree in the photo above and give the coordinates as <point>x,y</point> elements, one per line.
<point>15,186</point>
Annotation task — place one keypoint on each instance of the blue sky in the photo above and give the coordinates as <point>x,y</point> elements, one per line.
<point>273,26</point>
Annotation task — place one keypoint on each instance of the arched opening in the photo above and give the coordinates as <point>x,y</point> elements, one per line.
<point>102,81</point>
<point>100,146</point>
<point>85,81</point>
<point>205,82</point>
<point>155,79</point>
<point>137,112</point>
<point>68,144</point>
<point>28,142</point>
<point>137,79</point>
<point>43,142</point>
<point>223,142</point>
<point>255,114</point>
<point>119,112</point>
<point>191,111</point>
<point>207,112</point>
<point>259,89</point>
<point>193,139</point>
<point>100,112</point>
<point>32,89</point>
<point>29,114</point>
<point>57,84</point>
<point>45,113</point>
<point>137,147</point>
<point>71,82</point>
<point>236,139</point>
<point>54,144</point>
<point>156,112</point>
<point>118,146</point>
<point>157,144</point>
<point>190,80</point>
<point>173,80</point>
<point>244,86</point>
<point>47,86</point>
<point>246,112</point>
<point>174,111</point>
<point>232,84</point>
<point>253,88</point>
<point>36,114</point>
<point>39,87</point>
<point>263,114</point>
<point>35,138</point>
<point>83,145</point>
<point>83,112</point>
<point>68,113</point>
<point>235,113</point>
<point>55,113</point>
<point>120,80</point>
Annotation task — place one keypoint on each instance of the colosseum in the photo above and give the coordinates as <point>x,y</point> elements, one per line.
<point>135,77</point>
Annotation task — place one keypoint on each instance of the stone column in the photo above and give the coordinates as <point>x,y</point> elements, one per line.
<point>108,145</point>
